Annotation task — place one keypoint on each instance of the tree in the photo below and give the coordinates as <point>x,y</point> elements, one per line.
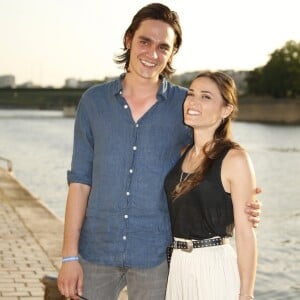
<point>280,77</point>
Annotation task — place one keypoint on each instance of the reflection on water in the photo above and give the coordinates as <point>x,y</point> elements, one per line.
<point>29,114</point>
<point>40,143</point>
<point>275,151</point>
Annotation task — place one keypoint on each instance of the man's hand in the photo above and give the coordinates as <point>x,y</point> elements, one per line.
<point>253,209</point>
<point>70,280</point>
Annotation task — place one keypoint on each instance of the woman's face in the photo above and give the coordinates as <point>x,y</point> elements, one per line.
<point>204,106</point>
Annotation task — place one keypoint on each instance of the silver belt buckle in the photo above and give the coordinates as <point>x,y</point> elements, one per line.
<point>189,245</point>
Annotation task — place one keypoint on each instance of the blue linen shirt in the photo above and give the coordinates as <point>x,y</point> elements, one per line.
<point>125,162</point>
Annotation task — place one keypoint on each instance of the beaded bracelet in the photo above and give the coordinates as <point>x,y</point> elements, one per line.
<point>70,258</point>
<point>248,296</point>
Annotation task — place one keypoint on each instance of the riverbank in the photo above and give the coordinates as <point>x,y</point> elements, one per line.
<point>251,109</point>
<point>282,111</point>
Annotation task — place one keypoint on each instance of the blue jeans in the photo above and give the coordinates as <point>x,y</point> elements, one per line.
<point>106,282</point>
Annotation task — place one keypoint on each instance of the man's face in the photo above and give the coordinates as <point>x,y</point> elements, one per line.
<point>151,48</point>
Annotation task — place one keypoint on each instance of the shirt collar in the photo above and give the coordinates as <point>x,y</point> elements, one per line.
<point>162,93</point>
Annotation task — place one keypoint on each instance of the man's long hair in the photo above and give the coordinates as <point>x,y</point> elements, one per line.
<point>154,11</point>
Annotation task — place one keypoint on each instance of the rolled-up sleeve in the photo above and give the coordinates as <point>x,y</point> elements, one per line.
<point>83,147</point>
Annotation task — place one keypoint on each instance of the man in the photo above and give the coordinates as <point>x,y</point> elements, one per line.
<point>128,134</point>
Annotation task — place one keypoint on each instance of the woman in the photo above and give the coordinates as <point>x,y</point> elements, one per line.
<point>207,191</point>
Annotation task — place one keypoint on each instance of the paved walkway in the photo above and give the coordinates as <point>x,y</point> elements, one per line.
<point>30,242</point>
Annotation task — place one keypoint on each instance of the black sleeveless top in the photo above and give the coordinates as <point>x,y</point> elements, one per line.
<point>206,210</point>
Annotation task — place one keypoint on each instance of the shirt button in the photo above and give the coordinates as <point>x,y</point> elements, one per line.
<point>125,106</point>
<point>134,148</point>
<point>130,171</point>
<point>121,92</point>
<point>124,237</point>
<point>125,216</point>
<point>137,125</point>
<point>127,193</point>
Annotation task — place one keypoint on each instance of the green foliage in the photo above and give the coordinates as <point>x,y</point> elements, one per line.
<point>280,77</point>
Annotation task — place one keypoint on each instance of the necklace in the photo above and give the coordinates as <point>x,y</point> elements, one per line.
<point>181,180</point>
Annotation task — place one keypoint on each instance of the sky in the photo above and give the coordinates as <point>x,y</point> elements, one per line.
<point>48,41</point>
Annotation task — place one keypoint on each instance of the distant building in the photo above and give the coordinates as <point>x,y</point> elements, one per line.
<point>7,81</point>
<point>26,85</point>
<point>238,76</point>
<point>87,83</point>
<point>71,83</point>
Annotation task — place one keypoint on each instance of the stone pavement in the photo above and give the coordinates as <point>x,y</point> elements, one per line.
<point>30,242</point>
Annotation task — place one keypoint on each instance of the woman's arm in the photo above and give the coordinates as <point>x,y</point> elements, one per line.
<point>240,177</point>
<point>70,279</point>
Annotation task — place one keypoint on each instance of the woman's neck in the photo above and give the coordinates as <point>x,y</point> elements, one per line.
<point>201,139</point>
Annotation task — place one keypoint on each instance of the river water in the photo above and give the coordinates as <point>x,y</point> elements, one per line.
<point>39,143</point>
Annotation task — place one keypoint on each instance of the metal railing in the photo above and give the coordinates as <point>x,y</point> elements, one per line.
<point>8,162</point>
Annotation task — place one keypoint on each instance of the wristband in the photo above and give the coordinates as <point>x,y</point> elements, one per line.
<point>70,258</point>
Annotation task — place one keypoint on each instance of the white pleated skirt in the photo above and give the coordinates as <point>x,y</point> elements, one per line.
<point>204,274</point>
